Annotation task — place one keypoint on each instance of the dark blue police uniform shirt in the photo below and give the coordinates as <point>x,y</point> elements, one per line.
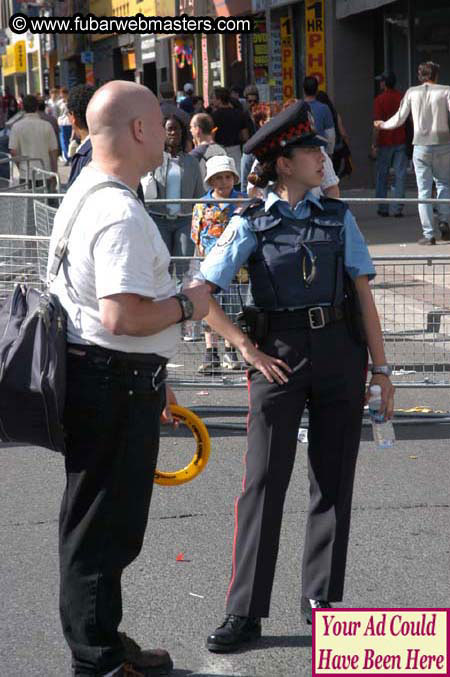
<point>82,157</point>
<point>239,242</point>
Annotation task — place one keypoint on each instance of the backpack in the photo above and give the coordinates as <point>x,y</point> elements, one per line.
<point>33,347</point>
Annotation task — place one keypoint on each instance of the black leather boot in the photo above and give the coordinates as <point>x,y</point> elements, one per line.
<point>233,633</point>
<point>307,607</point>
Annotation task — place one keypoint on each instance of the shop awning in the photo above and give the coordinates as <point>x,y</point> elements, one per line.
<point>347,7</point>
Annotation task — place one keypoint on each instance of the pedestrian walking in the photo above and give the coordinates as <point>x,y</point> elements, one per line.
<point>168,103</point>
<point>389,147</point>
<point>231,124</point>
<point>34,138</point>
<point>49,118</point>
<point>187,103</point>
<point>209,222</point>
<point>201,128</point>
<point>341,156</point>
<point>323,119</point>
<point>309,268</point>
<point>123,317</point>
<point>178,177</point>
<point>51,105</point>
<point>65,128</point>
<point>429,104</point>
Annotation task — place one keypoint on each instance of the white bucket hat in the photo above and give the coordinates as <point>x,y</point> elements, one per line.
<point>220,163</point>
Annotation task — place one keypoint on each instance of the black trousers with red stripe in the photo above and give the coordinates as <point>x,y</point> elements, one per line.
<point>332,383</point>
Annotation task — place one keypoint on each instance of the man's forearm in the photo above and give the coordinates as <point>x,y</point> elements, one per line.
<point>144,317</point>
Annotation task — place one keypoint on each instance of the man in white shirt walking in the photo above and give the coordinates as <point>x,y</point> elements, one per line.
<point>34,138</point>
<point>123,325</point>
<point>429,104</point>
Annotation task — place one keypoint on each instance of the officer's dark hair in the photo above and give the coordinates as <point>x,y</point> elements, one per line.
<point>428,71</point>
<point>41,104</point>
<point>184,130</point>
<point>30,103</point>
<point>267,171</point>
<point>310,85</point>
<point>77,103</point>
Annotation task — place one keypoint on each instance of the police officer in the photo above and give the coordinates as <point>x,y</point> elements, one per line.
<point>305,257</point>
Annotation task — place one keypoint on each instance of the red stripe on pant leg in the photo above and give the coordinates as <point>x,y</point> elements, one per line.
<point>236,506</point>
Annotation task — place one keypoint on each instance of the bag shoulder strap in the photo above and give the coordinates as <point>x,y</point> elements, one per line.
<point>61,247</point>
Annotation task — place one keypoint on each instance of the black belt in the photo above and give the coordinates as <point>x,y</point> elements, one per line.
<point>116,357</point>
<point>316,317</point>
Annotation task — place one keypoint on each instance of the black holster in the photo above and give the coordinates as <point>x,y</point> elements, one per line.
<point>254,322</point>
<point>352,311</point>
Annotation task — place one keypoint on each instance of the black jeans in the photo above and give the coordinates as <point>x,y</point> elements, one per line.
<point>112,423</point>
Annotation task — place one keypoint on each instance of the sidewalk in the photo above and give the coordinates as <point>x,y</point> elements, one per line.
<point>391,236</point>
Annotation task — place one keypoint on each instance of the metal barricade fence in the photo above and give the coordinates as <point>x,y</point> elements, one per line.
<point>412,296</point>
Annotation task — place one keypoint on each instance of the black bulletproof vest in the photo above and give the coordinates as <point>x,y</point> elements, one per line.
<point>287,250</point>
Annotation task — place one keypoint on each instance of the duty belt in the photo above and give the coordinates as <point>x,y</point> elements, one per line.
<point>316,317</point>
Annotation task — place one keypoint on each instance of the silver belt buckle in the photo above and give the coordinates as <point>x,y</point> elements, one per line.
<point>312,321</point>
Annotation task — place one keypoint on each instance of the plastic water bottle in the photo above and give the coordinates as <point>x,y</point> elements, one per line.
<point>383,431</point>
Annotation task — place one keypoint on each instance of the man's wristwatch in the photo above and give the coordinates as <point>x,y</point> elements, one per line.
<point>186,305</point>
<point>382,369</point>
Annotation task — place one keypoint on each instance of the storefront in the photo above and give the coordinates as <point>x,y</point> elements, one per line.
<point>278,53</point>
<point>14,68</point>
<point>419,30</point>
<point>410,32</point>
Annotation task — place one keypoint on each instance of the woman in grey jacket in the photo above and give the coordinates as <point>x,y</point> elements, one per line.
<point>178,177</point>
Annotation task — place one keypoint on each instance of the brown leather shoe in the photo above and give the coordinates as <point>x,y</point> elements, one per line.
<point>427,240</point>
<point>154,662</point>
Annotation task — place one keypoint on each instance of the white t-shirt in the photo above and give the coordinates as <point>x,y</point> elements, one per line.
<point>35,138</point>
<point>115,247</point>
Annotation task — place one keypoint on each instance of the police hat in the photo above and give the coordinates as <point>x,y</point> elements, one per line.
<point>294,125</point>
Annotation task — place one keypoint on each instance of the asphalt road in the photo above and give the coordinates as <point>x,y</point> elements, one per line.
<point>399,552</point>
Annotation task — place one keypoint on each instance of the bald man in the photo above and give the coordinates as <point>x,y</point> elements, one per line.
<point>123,326</point>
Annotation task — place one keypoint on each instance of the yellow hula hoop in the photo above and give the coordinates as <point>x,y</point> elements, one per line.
<point>201,456</point>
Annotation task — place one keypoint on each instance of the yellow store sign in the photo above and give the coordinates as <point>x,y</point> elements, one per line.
<point>15,60</point>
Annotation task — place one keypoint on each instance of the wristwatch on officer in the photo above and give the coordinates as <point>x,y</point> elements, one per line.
<point>186,305</point>
<point>381,369</point>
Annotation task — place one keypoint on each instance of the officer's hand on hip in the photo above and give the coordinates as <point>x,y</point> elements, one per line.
<point>272,368</point>
<point>200,296</point>
<point>387,394</point>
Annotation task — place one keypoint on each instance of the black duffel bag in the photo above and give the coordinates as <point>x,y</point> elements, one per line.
<point>33,356</point>
<point>33,369</point>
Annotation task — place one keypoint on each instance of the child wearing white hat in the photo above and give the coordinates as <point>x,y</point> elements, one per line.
<point>209,221</point>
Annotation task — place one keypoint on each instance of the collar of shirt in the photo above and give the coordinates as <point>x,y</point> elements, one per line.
<point>300,210</point>
<point>234,193</point>
<point>32,115</point>
<point>84,148</point>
